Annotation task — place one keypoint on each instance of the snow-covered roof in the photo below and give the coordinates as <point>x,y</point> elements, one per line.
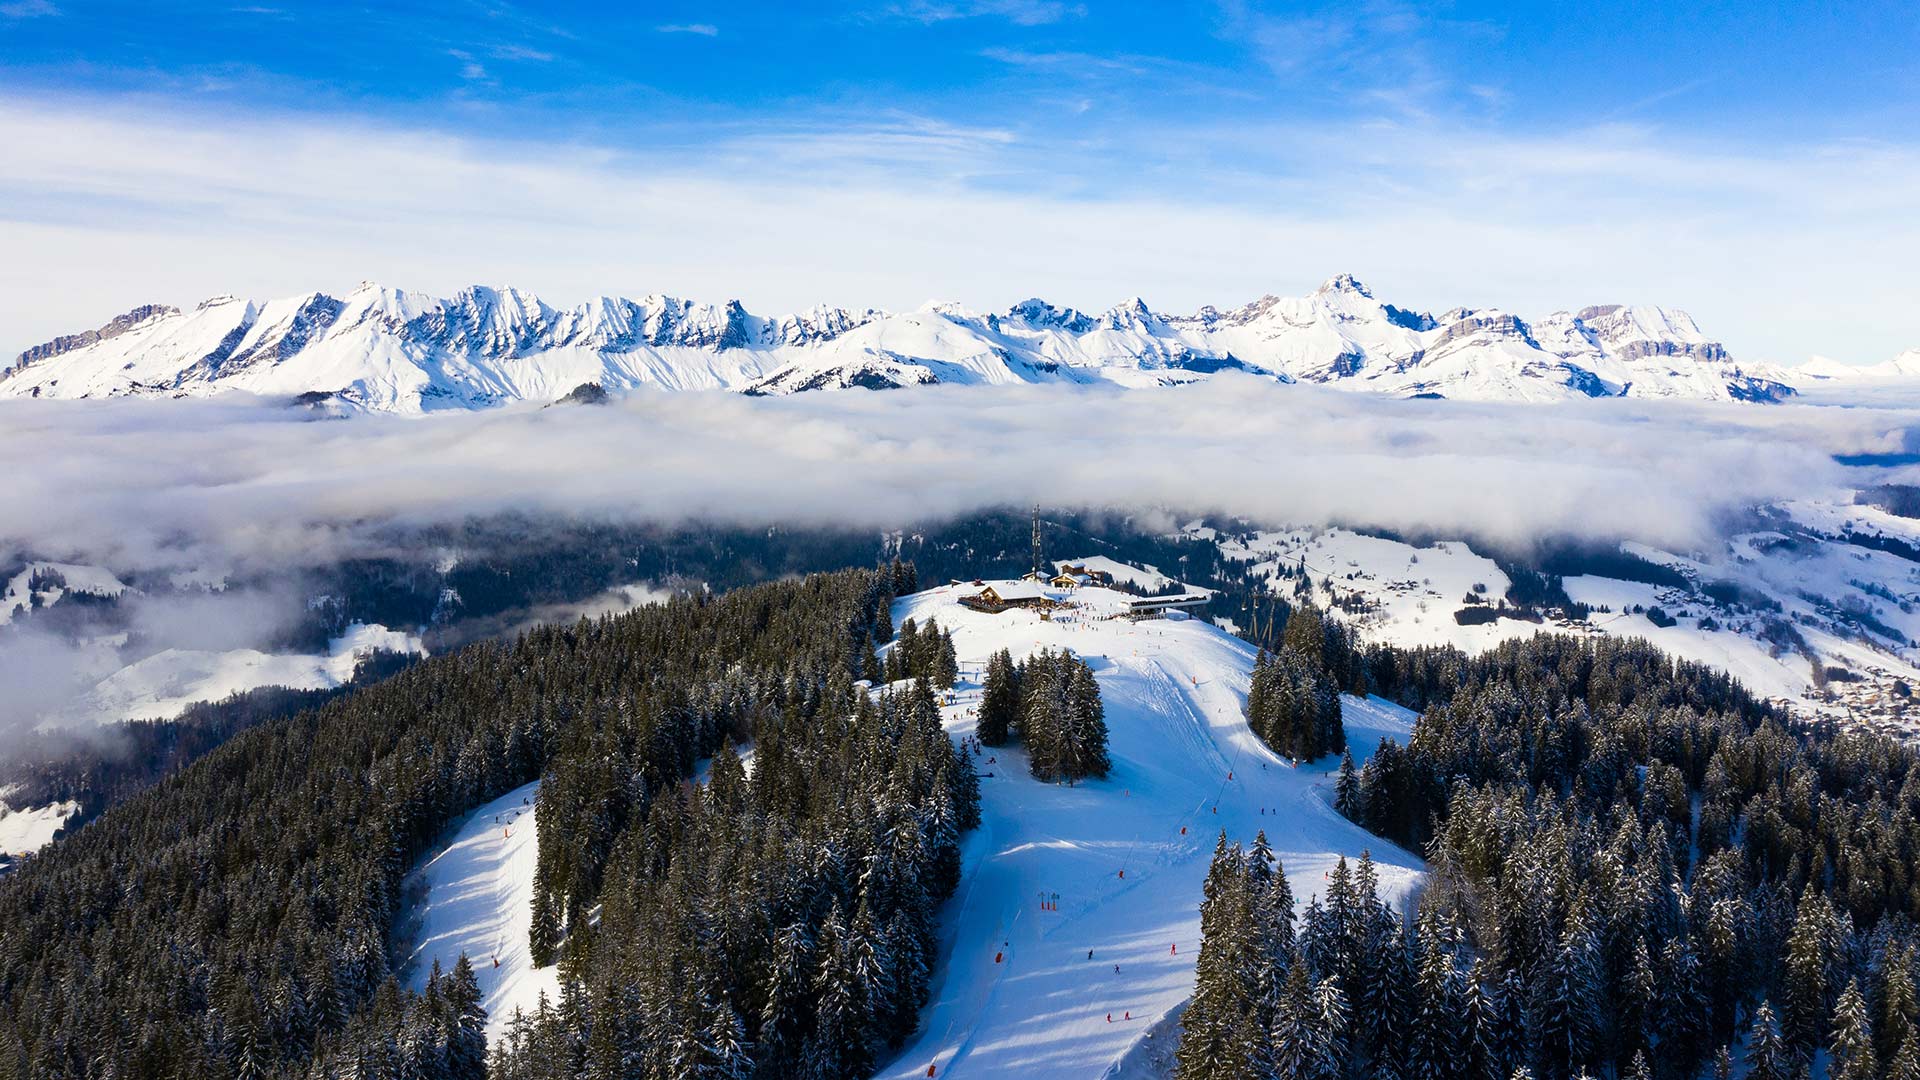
<point>1017,590</point>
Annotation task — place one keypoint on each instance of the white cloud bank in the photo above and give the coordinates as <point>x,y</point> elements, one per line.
<point>246,490</point>
<point>239,486</point>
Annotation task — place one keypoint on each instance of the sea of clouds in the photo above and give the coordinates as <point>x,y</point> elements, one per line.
<point>243,489</point>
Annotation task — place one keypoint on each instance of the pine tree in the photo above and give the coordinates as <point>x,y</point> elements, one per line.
<point>1852,1048</point>
<point>1565,1014</point>
<point>1218,1039</point>
<point>905,647</point>
<point>467,1037</point>
<point>1299,1051</point>
<point>1768,1057</point>
<point>1346,790</point>
<point>999,701</point>
<point>946,666</point>
<point>1906,1060</point>
<point>1087,725</point>
<point>1804,1005</point>
<point>1436,1045</point>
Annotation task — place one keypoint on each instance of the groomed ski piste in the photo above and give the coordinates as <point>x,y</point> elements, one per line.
<point>479,901</point>
<point>1015,993</point>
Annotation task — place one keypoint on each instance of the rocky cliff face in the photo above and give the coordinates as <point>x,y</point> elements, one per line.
<point>114,328</point>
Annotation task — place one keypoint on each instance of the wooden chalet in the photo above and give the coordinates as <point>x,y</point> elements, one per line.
<point>996,598</point>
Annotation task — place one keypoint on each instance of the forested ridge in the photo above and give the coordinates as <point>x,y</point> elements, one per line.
<point>1635,869</point>
<point>234,920</point>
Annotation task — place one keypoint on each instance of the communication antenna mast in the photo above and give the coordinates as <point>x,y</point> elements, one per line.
<point>1036,541</point>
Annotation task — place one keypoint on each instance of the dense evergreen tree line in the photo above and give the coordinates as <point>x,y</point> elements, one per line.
<point>768,923</point>
<point>1327,644</point>
<point>1294,706</point>
<point>1635,868</point>
<point>1051,702</point>
<point>234,920</point>
<point>1293,701</point>
<point>923,652</point>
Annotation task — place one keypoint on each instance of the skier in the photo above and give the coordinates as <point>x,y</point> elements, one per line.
<point>1109,1018</point>
<point>1174,949</point>
<point>1089,954</point>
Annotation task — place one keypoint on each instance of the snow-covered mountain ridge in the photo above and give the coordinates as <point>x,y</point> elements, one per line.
<point>384,349</point>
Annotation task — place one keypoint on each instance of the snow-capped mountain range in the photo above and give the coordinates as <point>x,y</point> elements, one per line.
<point>1904,366</point>
<point>383,349</point>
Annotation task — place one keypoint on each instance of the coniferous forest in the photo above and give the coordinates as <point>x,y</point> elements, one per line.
<point>236,920</point>
<point>1635,869</point>
<point>1052,703</point>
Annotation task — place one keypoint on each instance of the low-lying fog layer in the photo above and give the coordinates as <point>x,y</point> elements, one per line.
<point>243,487</point>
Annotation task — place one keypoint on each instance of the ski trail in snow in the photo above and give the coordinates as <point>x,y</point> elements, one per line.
<point>1182,756</point>
<point>479,901</point>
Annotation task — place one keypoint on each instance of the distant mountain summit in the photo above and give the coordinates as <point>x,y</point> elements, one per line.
<point>1822,369</point>
<point>387,350</point>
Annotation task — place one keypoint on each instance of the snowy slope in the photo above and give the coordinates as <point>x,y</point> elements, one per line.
<point>29,829</point>
<point>478,900</point>
<point>42,584</point>
<point>385,349</point>
<point>161,685</point>
<point>1761,606</point>
<point>1173,691</point>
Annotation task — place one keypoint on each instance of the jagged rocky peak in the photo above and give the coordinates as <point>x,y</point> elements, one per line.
<point>1038,313</point>
<point>1133,314</point>
<point>1344,283</point>
<point>112,328</point>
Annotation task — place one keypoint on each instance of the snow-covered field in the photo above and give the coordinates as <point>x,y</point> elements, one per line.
<point>28,830</point>
<point>1016,993</point>
<point>479,901</point>
<point>165,683</point>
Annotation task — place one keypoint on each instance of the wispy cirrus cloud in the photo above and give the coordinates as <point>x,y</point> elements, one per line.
<point>1018,12</point>
<point>28,9</point>
<point>699,29</point>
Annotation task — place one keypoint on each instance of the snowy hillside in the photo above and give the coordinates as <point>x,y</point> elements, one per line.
<point>1016,994</point>
<point>28,829</point>
<point>1835,586</point>
<point>161,685</point>
<point>384,349</point>
<point>44,584</point>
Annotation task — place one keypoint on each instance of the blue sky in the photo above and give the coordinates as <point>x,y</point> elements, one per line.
<point>1754,163</point>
